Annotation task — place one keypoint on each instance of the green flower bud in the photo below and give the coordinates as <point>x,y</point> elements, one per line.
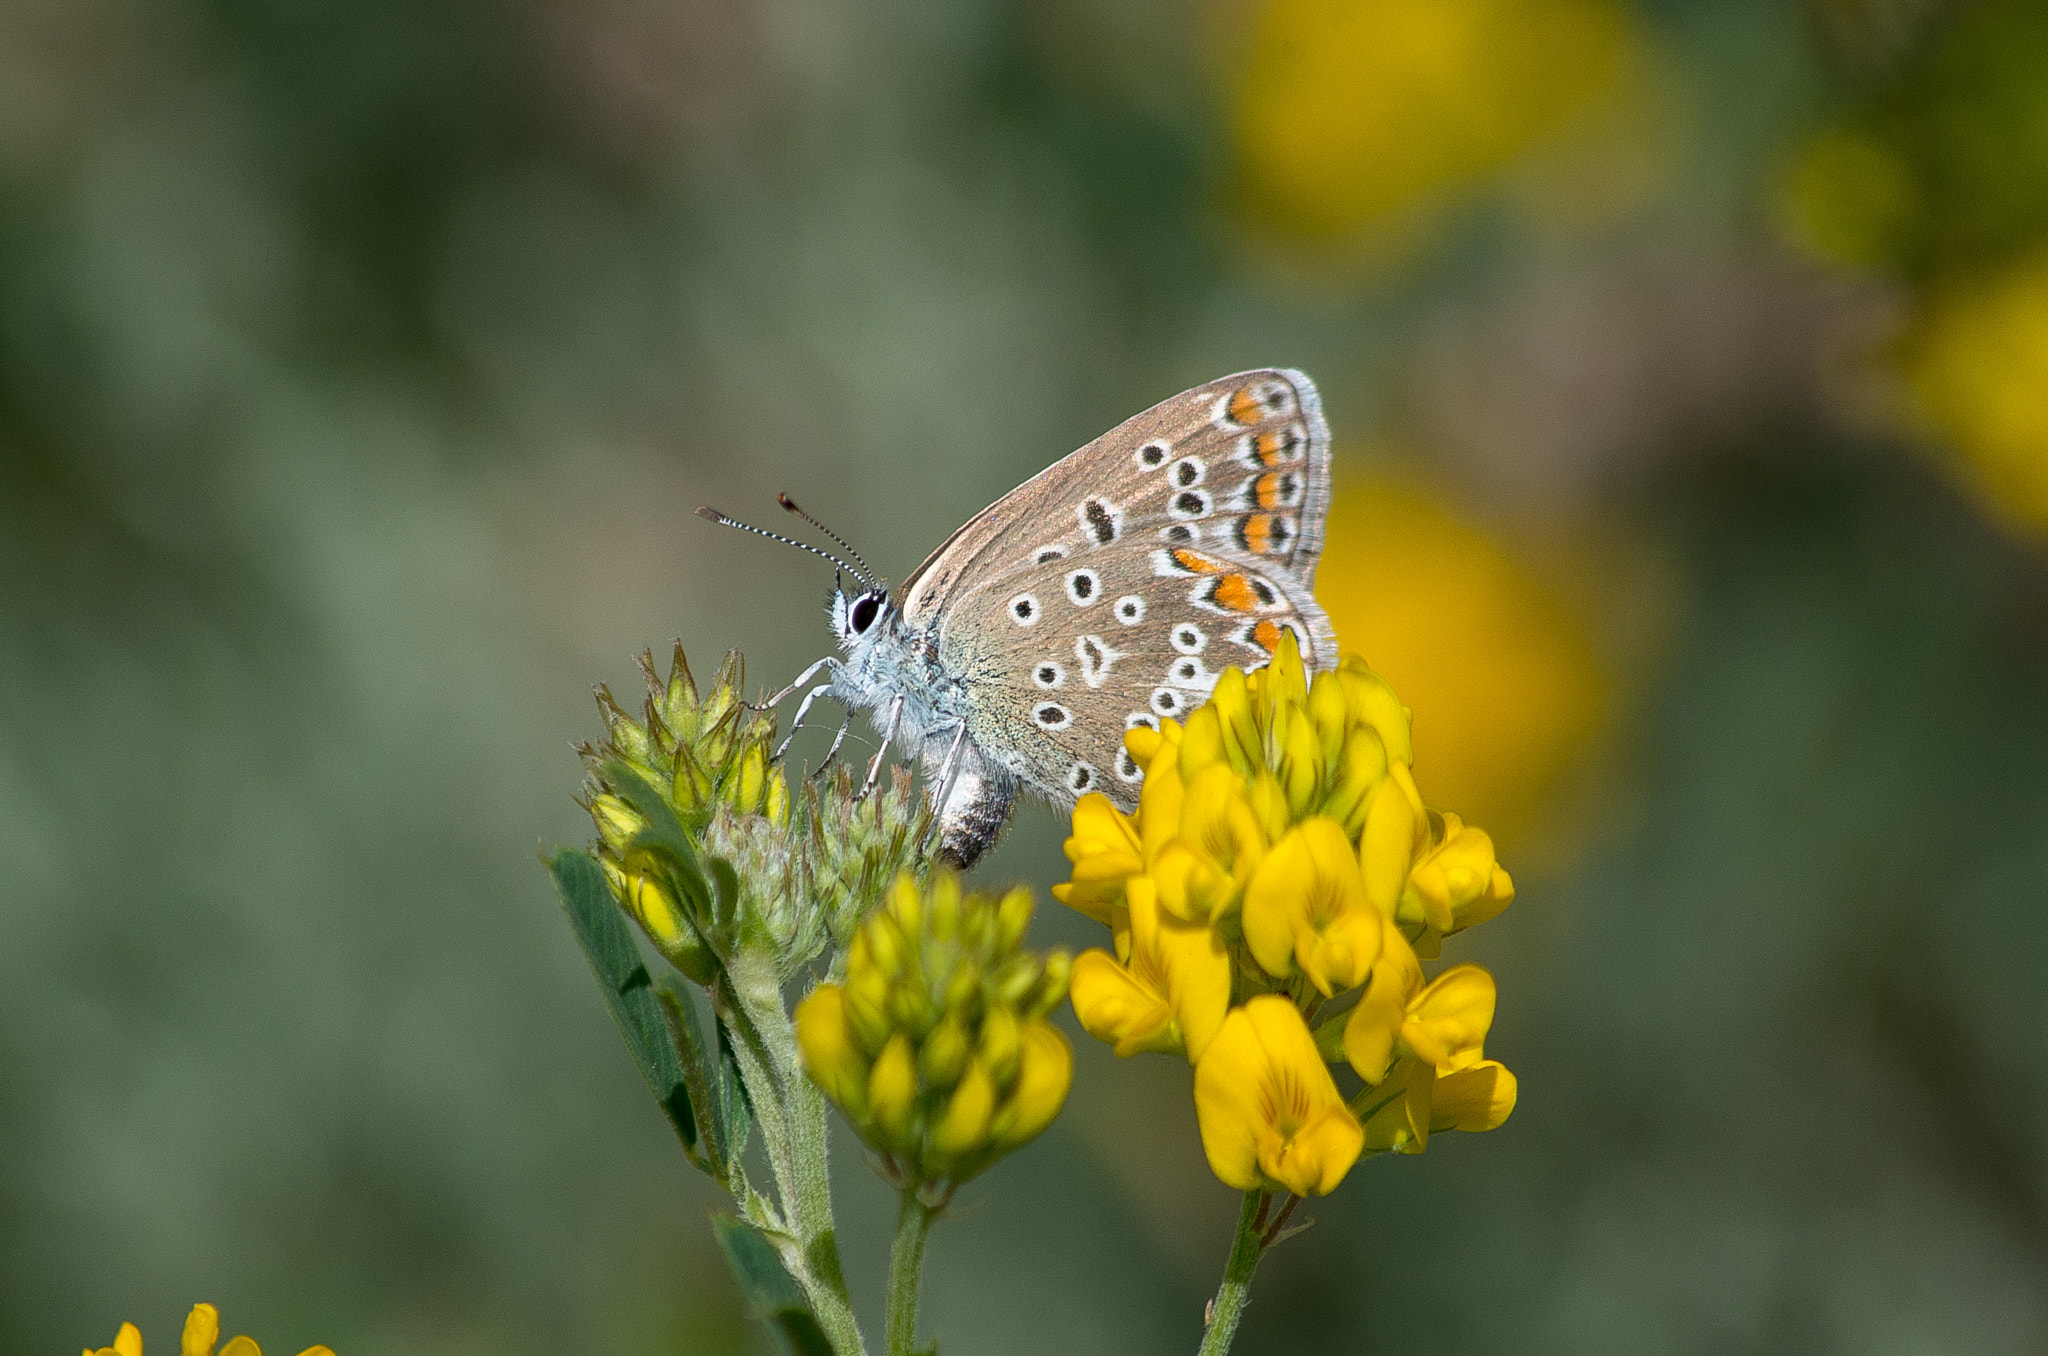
<point>941,1000</point>
<point>998,1052</point>
<point>943,1055</point>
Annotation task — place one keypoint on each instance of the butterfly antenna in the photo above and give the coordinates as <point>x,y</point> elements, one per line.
<point>868,576</point>
<point>706,511</point>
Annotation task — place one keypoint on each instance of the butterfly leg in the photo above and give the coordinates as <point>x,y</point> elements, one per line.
<point>943,786</point>
<point>803,708</point>
<point>770,703</point>
<point>888,735</point>
<point>833,752</point>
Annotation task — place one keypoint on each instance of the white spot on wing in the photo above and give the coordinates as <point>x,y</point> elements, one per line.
<point>1130,609</point>
<point>1024,609</point>
<point>1097,657</point>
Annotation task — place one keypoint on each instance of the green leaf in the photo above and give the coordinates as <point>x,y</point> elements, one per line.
<point>628,989</point>
<point>723,1124</point>
<point>775,1298</point>
<point>739,1103</point>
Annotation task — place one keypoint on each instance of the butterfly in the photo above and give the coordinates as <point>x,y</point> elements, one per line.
<point>1109,591</point>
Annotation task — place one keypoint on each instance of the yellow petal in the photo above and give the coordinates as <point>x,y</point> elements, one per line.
<point>1454,876</point>
<point>1476,1098</point>
<point>906,904</point>
<point>202,1330</point>
<point>1195,965</point>
<point>1044,1073</point>
<point>1398,1114</point>
<point>1113,1006</point>
<point>830,1056</point>
<point>241,1346</point>
<point>1268,1109</point>
<point>1318,1155</point>
<point>1375,1023</point>
<point>1202,744</point>
<point>1373,702</point>
<point>1227,1082</point>
<point>963,1126</point>
<point>1330,714</point>
<point>1307,906</point>
<point>1230,699</point>
<point>1159,805</point>
<point>1301,761</point>
<point>1387,844</point>
<point>892,1086</point>
<point>1448,1021</point>
<point>1361,764</point>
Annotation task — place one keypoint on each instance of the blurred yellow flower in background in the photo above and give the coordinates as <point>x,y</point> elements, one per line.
<point>1977,366</point>
<point>1354,118</point>
<point>1850,199</point>
<point>1500,670</point>
<point>202,1331</point>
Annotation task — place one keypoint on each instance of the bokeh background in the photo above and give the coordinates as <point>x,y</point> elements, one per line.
<point>362,360</point>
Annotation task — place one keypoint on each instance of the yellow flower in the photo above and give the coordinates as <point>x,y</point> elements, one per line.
<point>1281,856</point>
<point>1454,884</point>
<point>1269,1111</point>
<point>1416,1101</point>
<point>1104,850</point>
<point>1307,906</point>
<point>1442,1080</point>
<point>936,1048</point>
<point>202,1331</point>
<point>1170,991</point>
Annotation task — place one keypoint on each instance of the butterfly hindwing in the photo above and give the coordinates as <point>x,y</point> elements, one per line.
<point>1113,588</point>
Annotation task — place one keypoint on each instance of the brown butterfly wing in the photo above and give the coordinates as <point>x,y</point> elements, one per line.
<point>1113,587</point>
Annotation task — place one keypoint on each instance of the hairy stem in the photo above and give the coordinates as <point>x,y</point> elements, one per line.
<point>791,1114</point>
<point>906,1273</point>
<point>1245,1251</point>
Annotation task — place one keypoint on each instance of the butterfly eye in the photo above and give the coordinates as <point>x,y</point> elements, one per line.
<point>862,616</point>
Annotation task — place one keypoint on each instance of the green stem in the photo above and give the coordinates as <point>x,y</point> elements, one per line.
<point>906,1272</point>
<point>1245,1251</point>
<point>791,1113</point>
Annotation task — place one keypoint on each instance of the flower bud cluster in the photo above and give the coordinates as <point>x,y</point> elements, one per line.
<point>935,1045</point>
<point>1271,902</point>
<point>701,844</point>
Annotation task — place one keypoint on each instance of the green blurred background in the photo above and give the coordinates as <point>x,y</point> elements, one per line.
<point>361,361</point>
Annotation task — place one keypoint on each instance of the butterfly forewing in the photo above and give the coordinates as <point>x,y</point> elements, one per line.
<point>1114,587</point>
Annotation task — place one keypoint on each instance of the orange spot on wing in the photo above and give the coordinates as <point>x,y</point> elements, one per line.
<point>1234,591</point>
<point>1279,445</point>
<point>1258,533</point>
<point>1245,406</point>
<point>1194,562</point>
<point>1267,636</point>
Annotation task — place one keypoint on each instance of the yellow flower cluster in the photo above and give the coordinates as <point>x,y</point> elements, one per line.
<point>202,1331</point>
<point>1271,903</point>
<point>936,1046</point>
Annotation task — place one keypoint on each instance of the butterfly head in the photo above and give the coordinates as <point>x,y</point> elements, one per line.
<point>858,618</point>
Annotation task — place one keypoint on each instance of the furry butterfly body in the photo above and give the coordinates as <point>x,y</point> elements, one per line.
<point>1108,591</point>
